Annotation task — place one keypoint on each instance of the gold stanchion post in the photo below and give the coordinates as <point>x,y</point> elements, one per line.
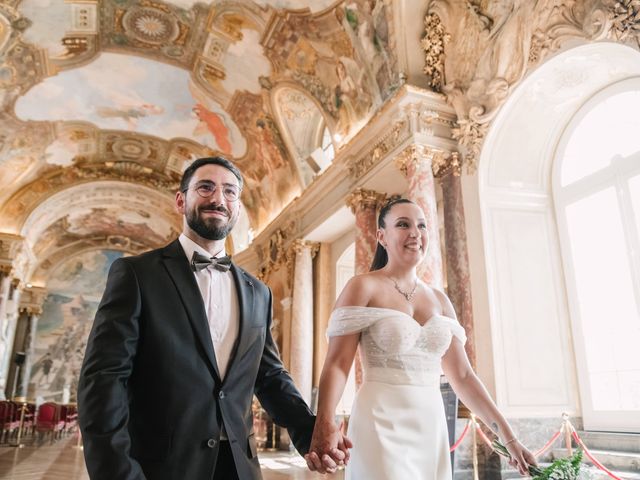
<point>567,432</point>
<point>475,447</point>
<point>23,407</point>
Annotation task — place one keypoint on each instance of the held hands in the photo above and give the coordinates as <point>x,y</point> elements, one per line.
<point>329,448</point>
<point>521,458</point>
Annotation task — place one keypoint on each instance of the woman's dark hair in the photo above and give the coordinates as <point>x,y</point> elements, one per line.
<point>380,258</point>
<point>200,162</point>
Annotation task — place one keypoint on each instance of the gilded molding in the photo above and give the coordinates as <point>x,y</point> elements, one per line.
<point>362,198</point>
<point>433,44</point>
<point>399,133</point>
<point>442,163</point>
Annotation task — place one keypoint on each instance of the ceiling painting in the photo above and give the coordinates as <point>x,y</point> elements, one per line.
<point>315,6</point>
<point>303,126</point>
<point>267,171</point>
<point>129,92</point>
<point>153,98</point>
<point>52,20</point>
<point>105,222</point>
<point>368,24</point>
<point>136,204</point>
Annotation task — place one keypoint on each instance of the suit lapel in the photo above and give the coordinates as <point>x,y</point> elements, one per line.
<point>244,289</point>
<point>176,263</point>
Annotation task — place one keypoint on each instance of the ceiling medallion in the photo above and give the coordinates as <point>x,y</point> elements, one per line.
<point>149,25</point>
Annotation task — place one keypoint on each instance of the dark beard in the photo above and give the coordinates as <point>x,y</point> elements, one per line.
<point>209,229</point>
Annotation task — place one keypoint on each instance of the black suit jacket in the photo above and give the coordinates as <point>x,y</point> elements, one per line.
<point>150,398</point>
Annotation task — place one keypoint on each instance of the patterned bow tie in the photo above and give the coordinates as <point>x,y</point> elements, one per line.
<point>200,262</point>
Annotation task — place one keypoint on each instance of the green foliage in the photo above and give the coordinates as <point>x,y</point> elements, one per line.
<point>563,468</point>
<point>560,469</point>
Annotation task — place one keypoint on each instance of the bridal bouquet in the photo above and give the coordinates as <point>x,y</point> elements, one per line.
<point>560,469</point>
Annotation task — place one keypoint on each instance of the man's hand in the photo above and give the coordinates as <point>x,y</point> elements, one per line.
<point>329,448</point>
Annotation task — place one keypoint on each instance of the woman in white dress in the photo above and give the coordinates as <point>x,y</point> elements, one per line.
<point>408,334</point>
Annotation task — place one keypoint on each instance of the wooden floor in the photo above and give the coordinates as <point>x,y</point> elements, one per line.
<point>63,461</point>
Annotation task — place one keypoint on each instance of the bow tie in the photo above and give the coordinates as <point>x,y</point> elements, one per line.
<point>200,262</point>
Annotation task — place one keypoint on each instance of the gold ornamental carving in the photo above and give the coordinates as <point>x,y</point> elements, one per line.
<point>362,199</point>
<point>442,163</point>
<point>433,45</point>
<point>399,133</point>
<point>278,252</point>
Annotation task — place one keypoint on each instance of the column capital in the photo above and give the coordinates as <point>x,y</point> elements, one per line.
<point>362,198</point>
<point>417,156</point>
<point>299,245</point>
<point>11,247</point>
<point>32,300</point>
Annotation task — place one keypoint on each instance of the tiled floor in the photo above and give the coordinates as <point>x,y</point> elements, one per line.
<point>63,461</point>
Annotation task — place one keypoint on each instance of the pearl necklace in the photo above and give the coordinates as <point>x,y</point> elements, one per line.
<point>407,295</point>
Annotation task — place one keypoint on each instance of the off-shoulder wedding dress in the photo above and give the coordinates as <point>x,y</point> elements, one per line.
<point>397,424</point>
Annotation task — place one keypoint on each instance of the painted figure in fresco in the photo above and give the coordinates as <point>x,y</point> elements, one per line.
<point>46,363</point>
<point>130,114</point>
<point>180,344</point>
<point>369,24</point>
<point>408,333</point>
<point>214,124</point>
<point>352,101</point>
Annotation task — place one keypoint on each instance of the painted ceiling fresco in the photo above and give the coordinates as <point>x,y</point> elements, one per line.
<point>125,93</point>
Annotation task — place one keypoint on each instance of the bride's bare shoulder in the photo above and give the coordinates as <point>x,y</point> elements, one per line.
<point>359,290</point>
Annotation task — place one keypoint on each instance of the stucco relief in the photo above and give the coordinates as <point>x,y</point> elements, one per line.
<point>494,44</point>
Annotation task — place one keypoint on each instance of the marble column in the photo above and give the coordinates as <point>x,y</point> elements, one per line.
<point>5,285</point>
<point>301,360</point>
<point>415,162</point>
<point>7,334</point>
<point>30,350</point>
<point>458,276</point>
<point>364,204</point>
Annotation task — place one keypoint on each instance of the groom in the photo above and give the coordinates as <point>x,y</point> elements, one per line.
<point>180,343</point>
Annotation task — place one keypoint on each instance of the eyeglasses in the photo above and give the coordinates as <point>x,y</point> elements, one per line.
<point>230,192</point>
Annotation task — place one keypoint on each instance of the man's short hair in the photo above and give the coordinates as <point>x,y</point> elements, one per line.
<point>223,162</point>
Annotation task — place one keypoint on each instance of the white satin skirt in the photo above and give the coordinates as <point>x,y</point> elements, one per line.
<point>399,432</point>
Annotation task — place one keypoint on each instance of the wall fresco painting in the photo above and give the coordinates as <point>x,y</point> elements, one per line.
<point>75,289</point>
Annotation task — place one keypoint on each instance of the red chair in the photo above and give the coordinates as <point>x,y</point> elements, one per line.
<point>48,419</point>
<point>8,423</point>
<point>71,418</point>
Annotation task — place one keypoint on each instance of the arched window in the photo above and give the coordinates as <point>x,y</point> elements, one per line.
<point>597,199</point>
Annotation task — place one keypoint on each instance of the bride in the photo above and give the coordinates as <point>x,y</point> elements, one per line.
<point>407,333</point>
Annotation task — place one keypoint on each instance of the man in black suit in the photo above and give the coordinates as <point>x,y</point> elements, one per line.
<point>180,343</point>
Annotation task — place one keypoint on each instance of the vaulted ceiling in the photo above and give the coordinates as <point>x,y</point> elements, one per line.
<point>104,103</point>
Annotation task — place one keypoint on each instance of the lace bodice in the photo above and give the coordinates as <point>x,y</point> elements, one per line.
<point>394,347</point>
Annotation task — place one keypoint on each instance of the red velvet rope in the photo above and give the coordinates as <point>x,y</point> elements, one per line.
<point>546,447</point>
<point>464,434</point>
<point>548,444</point>
<point>579,441</point>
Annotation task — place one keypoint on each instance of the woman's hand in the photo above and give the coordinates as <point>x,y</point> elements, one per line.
<point>521,458</point>
<point>329,447</point>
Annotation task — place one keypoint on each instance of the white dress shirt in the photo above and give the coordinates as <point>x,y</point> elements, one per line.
<point>220,302</point>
